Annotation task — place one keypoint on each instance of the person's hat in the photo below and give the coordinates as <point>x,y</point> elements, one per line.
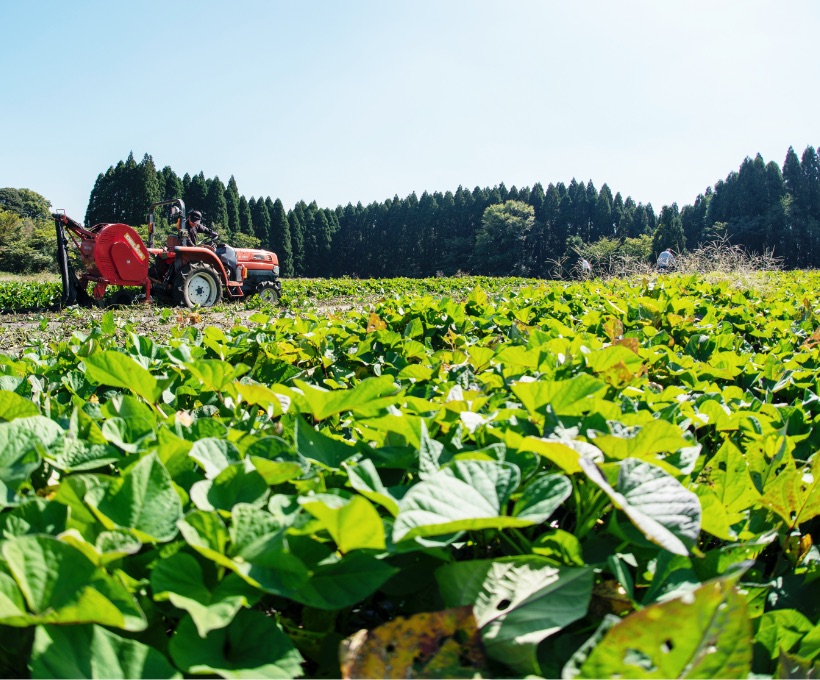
<point>195,216</point>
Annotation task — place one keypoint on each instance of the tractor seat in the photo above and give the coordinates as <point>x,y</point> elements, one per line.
<point>172,242</point>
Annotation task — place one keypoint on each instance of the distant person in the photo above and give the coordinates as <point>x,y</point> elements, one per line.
<point>666,260</point>
<point>586,268</point>
<point>194,226</point>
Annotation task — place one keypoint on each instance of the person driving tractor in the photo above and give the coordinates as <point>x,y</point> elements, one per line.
<point>194,226</point>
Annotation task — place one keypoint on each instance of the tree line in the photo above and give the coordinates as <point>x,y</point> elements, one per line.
<point>496,231</point>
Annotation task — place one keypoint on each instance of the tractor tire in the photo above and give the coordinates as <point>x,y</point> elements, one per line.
<point>122,298</point>
<point>268,292</point>
<point>197,285</point>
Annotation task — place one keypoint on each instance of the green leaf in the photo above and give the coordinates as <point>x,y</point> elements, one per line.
<point>179,579</point>
<point>324,403</point>
<point>119,370</point>
<point>658,436</point>
<point>365,479</point>
<point>563,454</point>
<point>517,602</point>
<point>94,652</point>
<point>61,585</point>
<point>259,395</point>
<point>237,483</point>
<point>276,471</point>
<point>344,583</point>
<point>560,546</point>
<point>36,516</point>
<point>728,476</point>
<point>655,502</point>
<point>320,448</point>
<point>252,646</point>
<point>251,527</point>
<point>14,406</point>
<point>352,524</point>
<point>432,454</point>
<point>205,532</point>
<point>781,631</point>
<point>215,375</point>
<point>469,495</point>
<point>143,500</point>
<point>214,455</point>
<point>542,497</point>
<point>566,397</point>
<point>317,578</point>
<point>711,638</point>
<point>22,441</point>
<point>76,455</point>
<point>613,358</point>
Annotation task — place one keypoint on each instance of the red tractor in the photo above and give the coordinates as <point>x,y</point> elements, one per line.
<point>116,255</point>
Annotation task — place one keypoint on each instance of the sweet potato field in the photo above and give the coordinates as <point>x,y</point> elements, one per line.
<point>451,478</point>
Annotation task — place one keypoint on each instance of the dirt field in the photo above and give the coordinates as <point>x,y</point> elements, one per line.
<point>18,332</point>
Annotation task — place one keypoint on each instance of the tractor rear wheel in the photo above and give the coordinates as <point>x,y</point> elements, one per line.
<point>268,291</point>
<point>197,285</point>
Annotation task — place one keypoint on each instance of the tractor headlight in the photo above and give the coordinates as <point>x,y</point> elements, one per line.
<point>276,270</point>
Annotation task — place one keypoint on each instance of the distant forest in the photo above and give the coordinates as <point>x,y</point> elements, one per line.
<point>497,231</point>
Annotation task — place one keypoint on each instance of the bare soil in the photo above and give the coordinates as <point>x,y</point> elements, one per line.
<point>21,332</point>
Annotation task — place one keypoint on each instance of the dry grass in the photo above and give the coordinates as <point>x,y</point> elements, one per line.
<point>722,257</point>
<point>717,260</point>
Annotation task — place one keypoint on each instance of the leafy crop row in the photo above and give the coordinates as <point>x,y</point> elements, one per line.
<point>587,480</point>
<point>20,295</point>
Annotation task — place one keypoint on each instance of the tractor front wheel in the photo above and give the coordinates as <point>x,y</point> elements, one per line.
<point>197,285</point>
<point>269,292</point>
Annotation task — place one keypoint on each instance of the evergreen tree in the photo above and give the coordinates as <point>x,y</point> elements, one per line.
<point>618,211</point>
<point>216,208</point>
<point>809,199</point>
<point>171,184</point>
<point>196,197</point>
<point>186,186</point>
<point>232,205</point>
<point>95,200</point>
<point>245,219</point>
<point>147,190</point>
<point>261,221</point>
<point>297,238</point>
<point>602,222</point>
<point>693,220</point>
<point>536,200</point>
<point>324,242</point>
<point>280,238</point>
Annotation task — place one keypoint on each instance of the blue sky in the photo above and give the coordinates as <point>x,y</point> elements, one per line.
<point>359,101</point>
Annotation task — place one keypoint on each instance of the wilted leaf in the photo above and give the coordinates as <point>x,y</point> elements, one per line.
<point>442,644</point>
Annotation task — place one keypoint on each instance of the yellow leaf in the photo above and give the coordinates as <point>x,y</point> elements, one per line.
<point>443,644</point>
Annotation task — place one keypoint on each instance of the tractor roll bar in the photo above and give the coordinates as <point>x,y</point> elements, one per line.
<point>178,202</point>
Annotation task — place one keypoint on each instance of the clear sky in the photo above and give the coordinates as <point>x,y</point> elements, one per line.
<point>346,101</point>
